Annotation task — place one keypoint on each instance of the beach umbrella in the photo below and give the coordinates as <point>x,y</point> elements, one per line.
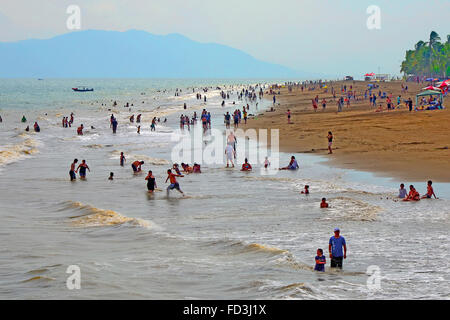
<point>369,74</point>
<point>429,79</point>
<point>432,88</point>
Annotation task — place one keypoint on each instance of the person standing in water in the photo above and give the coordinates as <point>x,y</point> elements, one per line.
<point>151,182</point>
<point>72,175</point>
<point>114,124</point>
<point>122,159</point>
<point>173,181</point>
<point>335,246</point>
<point>320,261</point>
<point>82,167</point>
<point>230,153</point>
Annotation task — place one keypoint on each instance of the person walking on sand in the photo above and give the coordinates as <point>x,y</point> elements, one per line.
<point>314,103</point>
<point>288,113</point>
<point>330,142</point>
<point>336,243</point>
<point>324,104</point>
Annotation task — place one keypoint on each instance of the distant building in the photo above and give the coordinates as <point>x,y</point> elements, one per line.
<point>348,78</point>
<point>382,77</point>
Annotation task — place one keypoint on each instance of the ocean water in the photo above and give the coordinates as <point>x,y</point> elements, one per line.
<point>235,235</point>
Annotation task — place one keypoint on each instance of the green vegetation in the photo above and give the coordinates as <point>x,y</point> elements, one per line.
<point>431,58</point>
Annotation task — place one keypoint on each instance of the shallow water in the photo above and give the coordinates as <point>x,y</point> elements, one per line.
<point>235,235</point>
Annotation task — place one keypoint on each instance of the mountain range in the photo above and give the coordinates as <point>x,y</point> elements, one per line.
<point>131,54</point>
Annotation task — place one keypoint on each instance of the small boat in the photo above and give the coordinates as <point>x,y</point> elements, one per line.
<point>82,89</point>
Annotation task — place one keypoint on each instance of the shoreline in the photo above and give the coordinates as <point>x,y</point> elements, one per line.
<point>409,146</point>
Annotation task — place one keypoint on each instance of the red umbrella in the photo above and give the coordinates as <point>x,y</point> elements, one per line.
<point>369,74</point>
<point>432,88</point>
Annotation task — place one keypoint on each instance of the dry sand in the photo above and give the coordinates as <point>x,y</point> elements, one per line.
<point>409,146</point>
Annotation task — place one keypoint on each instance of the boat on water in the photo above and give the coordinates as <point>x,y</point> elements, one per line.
<point>82,89</point>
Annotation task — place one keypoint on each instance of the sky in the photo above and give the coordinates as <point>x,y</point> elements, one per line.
<point>330,37</point>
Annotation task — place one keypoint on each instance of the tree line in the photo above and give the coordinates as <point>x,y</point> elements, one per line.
<point>430,58</point>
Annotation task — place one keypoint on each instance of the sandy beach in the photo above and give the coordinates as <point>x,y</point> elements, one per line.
<point>410,146</point>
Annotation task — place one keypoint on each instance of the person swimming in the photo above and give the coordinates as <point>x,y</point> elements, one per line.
<point>111,176</point>
<point>324,203</point>
<point>306,190</point>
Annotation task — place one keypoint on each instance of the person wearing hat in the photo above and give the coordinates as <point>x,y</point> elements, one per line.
<point>335,248</point>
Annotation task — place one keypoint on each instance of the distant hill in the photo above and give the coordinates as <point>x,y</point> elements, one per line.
<point>130,54</point>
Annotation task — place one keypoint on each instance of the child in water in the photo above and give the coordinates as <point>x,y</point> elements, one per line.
<point>413,194</point>
<point>324,203</point>
<point>430,191</point>
<point>402,191</point>
<point>306,191</point>
<point>266,163</point>
<point>320,261</point>
<point>111,176</point>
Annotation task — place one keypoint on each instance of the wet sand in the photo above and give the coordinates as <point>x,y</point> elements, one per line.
<point>400,144</point>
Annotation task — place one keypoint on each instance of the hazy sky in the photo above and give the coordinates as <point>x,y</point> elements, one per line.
<point>327,36</point>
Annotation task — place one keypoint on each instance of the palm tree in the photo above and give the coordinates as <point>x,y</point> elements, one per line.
<point>419,45</point>
<point>434,39</point>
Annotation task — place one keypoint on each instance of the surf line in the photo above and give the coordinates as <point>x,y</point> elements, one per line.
<point>211,311</point>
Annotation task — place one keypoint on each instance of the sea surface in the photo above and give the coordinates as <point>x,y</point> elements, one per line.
<point>235,235</point>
